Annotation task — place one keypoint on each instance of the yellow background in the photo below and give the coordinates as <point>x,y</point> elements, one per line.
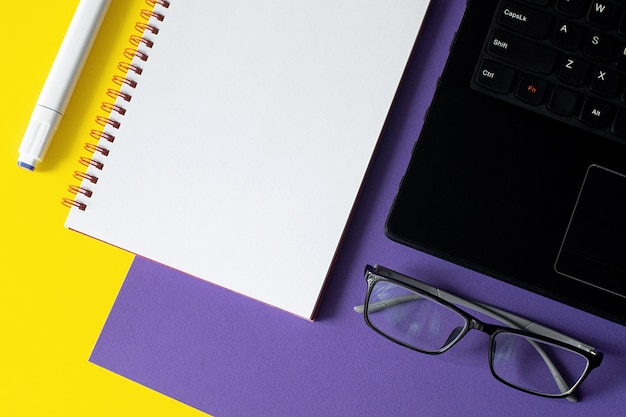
<point>57,286</point>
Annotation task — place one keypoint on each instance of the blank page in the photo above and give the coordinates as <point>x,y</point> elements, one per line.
<point>247,137</point>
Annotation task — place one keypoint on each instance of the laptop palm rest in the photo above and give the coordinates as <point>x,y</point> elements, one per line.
<point>594,247</point>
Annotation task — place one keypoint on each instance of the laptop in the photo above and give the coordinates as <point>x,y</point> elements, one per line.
<point>519,171</point>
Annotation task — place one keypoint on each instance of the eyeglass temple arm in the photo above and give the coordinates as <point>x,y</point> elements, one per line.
<point>503,316</point>
<point>521,323</point>
<point>513,320</point>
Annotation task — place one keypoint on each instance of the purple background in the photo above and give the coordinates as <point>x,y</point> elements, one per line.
<point>231,357</point>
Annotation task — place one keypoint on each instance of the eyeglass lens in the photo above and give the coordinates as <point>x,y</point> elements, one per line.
<point>413,320</point>
<point>423,323</point>
<point>535,365</point>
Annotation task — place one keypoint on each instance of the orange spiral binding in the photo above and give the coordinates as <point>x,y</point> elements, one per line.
<point>144,27</point>
<point>111,107</point>
<point>126,67</point>
<point>136,53</point>
<point>91,162</point>
<point>140,40</point>
<point>104,121</point>
<point>115,94</point>
<point>130,53</point>
<point>70,202</point>
<point>119,80</point>
<point>80,175</point>
<point>93,148</point>
<point>163,3</point>
<point>80,190</point>
<point>147,14</point>
<point>99,134</point>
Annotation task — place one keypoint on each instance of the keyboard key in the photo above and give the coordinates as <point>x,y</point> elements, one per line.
<point>620,60</point>
<point>571,8</point>
<point>522,53</point>
<point>602,14</point>
<point>606,83</point>
<point>563,101</point>
<point>524,19</point>
<point>622,26</point>
<point>568,35</point>
<point>531,90</point>
<point>596,113</point>
<point>538,2</point>
<point>573,71</point>
<point>599,47</point>
<point>619,124</point>
<point>495,77</point>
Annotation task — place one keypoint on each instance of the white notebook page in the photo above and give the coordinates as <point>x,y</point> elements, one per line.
<point>247,138</point>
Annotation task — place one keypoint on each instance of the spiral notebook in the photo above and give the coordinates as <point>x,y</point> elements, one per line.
<point>238,135</point>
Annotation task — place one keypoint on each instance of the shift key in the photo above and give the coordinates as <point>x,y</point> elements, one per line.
<point>521,53</point>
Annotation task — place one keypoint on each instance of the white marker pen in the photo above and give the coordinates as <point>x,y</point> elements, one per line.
<point>61,81</point>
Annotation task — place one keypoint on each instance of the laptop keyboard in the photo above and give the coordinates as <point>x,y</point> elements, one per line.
<point>565,59</point>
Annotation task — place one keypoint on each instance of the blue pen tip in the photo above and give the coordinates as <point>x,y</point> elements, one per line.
<point>26,166</point>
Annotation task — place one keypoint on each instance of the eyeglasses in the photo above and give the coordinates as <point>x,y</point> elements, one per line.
<point>525,355</point>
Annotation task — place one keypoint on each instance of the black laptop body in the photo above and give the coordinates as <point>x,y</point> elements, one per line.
<point>523,192</point>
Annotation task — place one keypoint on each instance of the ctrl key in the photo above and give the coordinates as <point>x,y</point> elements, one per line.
<point>495,77</point>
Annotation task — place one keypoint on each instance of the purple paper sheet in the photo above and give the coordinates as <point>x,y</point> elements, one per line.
<point>231,356</point>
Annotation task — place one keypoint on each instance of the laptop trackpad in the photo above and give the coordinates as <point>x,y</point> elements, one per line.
<point>594,246</point>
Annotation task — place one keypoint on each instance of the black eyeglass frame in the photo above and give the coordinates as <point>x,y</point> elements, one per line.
<point>517,325</point>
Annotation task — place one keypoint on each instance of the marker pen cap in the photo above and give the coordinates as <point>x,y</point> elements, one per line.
<point>43,123</point>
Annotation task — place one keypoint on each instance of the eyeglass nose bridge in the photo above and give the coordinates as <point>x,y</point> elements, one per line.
<point>481,326</point>
<point>472,324</point>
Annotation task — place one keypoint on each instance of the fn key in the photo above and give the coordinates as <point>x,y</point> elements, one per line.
<point>495,77</point>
